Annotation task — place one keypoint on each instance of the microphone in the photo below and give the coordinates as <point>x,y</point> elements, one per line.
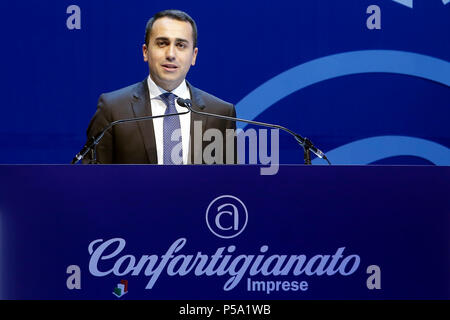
<point>93,141</point>
<point>304,142</point>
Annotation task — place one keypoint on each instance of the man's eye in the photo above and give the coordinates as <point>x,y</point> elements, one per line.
<point>161,43</point>
<point>181,45</point>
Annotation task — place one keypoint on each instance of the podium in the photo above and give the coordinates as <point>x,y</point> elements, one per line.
<point>224,232</point>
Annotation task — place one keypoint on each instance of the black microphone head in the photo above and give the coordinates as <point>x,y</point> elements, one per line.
<point>184,103</point>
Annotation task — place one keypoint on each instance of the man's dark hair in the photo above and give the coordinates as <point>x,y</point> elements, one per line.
<point>173,14</point>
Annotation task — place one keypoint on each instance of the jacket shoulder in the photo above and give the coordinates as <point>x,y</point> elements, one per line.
<point>122,95</point>
<point>209,98</point>
<point>211,102</point>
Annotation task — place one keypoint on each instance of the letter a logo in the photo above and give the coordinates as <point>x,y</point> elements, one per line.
<point>226,216</point>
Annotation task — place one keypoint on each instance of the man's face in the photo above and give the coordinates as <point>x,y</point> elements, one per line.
<point>170,52</point>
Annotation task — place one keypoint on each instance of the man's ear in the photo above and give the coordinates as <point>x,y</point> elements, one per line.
<point>145,52</point>
<point>194,58</point>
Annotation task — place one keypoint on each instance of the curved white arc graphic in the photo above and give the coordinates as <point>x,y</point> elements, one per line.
<point>338,65</point>
<point>407,3</point>
<point>410,4</point>
<point>372,149</point>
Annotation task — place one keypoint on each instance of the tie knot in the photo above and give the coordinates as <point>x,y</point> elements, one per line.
<point>168,98</point>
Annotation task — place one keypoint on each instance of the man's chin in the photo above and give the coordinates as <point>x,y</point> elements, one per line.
<point>169,84</point>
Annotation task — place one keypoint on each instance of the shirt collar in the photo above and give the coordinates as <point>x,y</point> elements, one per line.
<point>181,91</point>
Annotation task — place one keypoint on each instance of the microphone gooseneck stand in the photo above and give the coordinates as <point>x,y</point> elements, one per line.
<point>304,142</point>
<point>93,141</point>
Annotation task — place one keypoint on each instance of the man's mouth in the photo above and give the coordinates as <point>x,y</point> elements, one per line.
<point>169,67</point>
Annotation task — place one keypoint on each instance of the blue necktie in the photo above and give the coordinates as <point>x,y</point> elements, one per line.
<point>171,124</point>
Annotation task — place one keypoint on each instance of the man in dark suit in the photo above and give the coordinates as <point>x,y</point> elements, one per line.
<point>170,49</point>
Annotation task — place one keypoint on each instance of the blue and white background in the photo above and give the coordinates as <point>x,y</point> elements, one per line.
<point>363,96</point>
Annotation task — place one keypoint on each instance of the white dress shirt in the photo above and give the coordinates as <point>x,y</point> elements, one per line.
<point>159,108</point>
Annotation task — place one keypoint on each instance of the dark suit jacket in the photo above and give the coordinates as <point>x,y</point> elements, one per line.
<point>134,143</point>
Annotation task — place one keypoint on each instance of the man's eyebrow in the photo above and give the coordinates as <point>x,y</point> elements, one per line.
<point>176,39</point>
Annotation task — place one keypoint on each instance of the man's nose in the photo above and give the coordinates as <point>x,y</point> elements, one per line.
<point>170,53</point>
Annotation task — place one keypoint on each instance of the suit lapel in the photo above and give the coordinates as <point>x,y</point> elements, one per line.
<point>196,149</point>
<point>142,108</point>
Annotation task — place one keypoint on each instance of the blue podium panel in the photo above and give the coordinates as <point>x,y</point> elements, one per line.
<point>224,232</point>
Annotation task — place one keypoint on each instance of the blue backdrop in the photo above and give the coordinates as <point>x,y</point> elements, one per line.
<point>361,95</point>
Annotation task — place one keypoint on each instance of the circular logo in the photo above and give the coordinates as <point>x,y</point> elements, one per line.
<point>226,216</point>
